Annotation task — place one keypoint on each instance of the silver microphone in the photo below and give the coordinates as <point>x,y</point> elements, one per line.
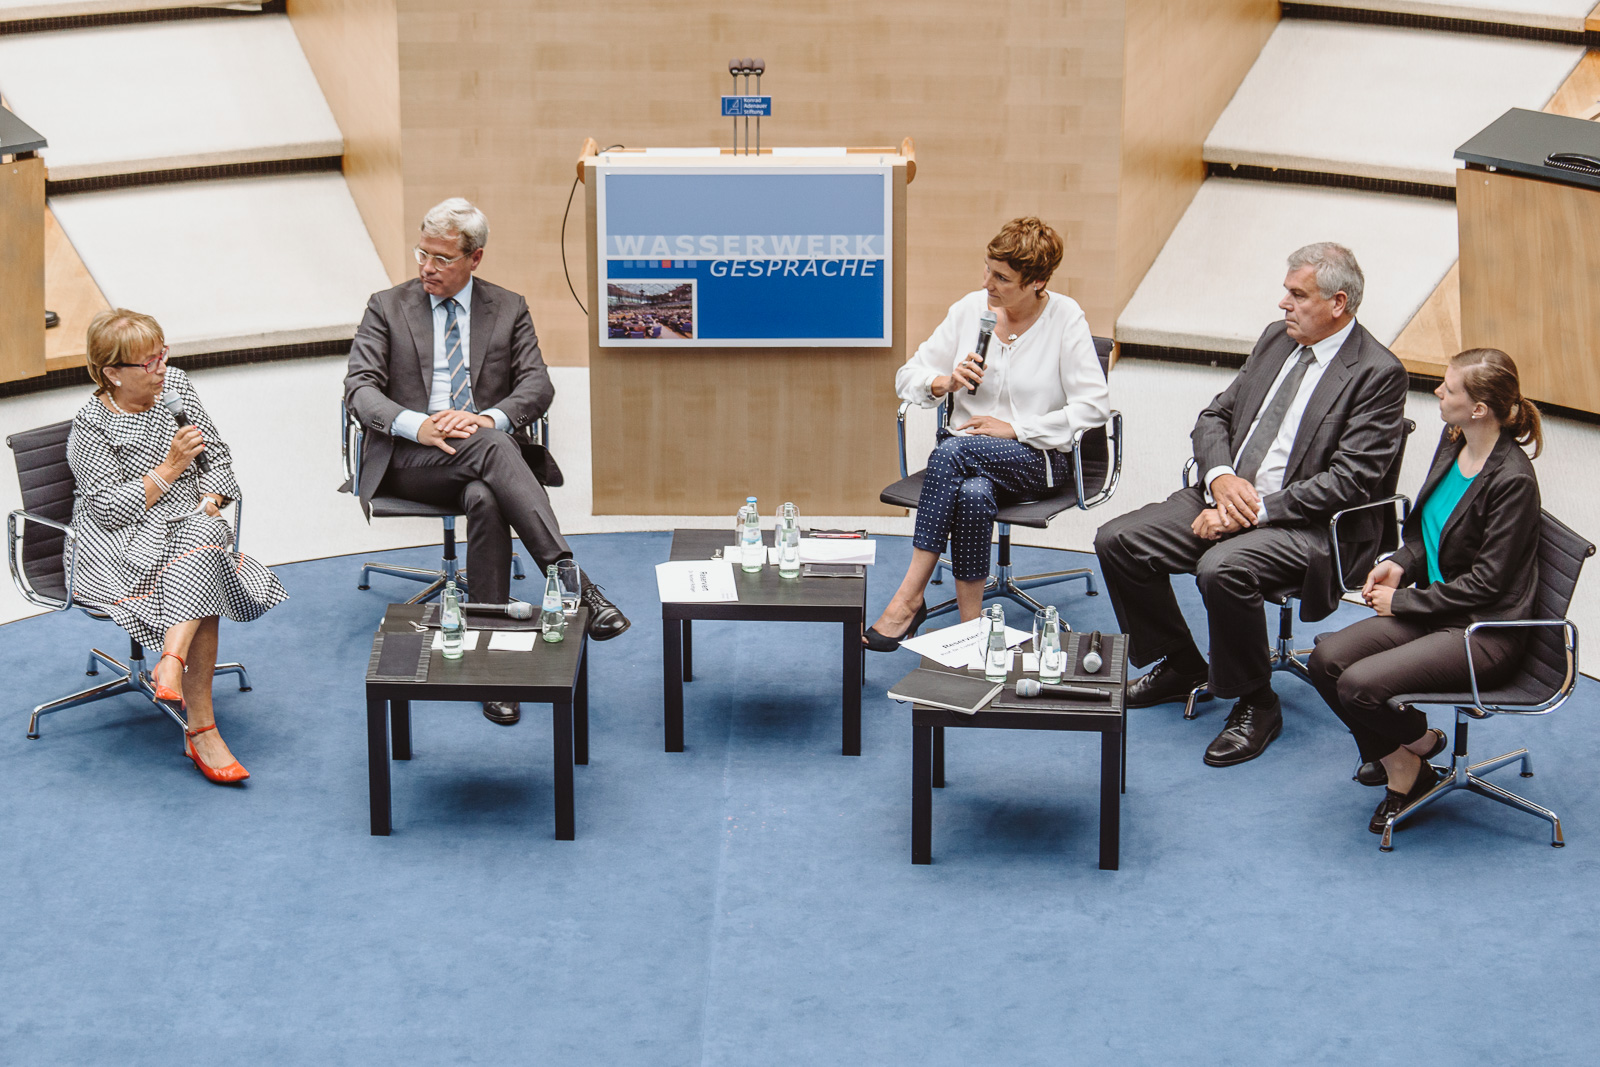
<point>1030,687</point>
<point>986,323</point>
<point>517,609</point>
<point>1091,659</point>
<point>174,404</point>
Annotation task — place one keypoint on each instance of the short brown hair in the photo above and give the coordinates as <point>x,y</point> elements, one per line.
<point>116,336</point>
<point>1490,377</point>
<point>1029,247</point>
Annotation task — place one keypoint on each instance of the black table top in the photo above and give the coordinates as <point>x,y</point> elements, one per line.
<point>1519,141</point>
<point>764,592</point>
<point>1097,715</point>
<point>547,673</point>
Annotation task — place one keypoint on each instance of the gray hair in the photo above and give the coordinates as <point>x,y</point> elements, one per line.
<point>1337,271</point>
<point>457,217</point>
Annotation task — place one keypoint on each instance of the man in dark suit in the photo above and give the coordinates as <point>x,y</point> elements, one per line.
<point>1310,425</point>
<point>443,371</point>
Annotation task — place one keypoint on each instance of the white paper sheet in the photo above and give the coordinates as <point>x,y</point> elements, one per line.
<point>838,550</point>
<point>695,581</point>
<point>513,640</point>
<point>953,645</point>
<point>469,640</point>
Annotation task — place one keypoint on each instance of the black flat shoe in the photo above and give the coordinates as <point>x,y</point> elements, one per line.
<point>1164,684</point>
<point>1374,774</point>
<point>1394,803</point>
<point>877,642</point>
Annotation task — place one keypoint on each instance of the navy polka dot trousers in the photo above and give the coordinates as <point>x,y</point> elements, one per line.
<point>966,481</point>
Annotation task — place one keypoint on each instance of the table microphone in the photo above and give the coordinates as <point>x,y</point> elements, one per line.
<point>517,609</point>
<point>1091,659</point>
<point>174,404</point>
<point>1028,687</point>
<point>986,323</point>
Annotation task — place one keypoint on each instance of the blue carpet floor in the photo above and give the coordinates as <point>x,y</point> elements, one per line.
<point>752,900</point>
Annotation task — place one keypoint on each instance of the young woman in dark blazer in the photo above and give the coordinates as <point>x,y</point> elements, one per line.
<point>1469,553</point>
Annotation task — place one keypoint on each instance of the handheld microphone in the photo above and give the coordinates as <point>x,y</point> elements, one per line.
<point>174,404</point>
<point>515,610</point>
<point>1028,687</point>
<point>986,323</point>
<point>1091,659</point>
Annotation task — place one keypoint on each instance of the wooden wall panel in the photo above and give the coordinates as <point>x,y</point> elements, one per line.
<point>1183,60</point>
<point>22,269</point>
<point>354,49</point>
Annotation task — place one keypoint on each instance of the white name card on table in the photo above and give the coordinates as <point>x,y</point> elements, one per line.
<point>954,646</point>
<point>696,581</point>
<point>513,640</point>
<point>838,550</point>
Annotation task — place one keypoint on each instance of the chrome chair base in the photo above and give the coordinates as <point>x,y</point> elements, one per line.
<point>1004,582</point>
<point>130,677</point>
<point>1282,656</point>
<point>434,579</point>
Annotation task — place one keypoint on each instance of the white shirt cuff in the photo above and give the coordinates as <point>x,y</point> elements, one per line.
<point>1212,475</point>
<point>501,423</point>
<point>406,424</point>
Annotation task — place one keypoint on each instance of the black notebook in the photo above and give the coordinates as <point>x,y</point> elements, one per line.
<point>941,689</point>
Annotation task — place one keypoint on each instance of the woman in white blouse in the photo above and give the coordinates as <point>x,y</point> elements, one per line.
<point>1009,439</point>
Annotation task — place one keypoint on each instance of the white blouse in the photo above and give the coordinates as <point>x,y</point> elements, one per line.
<point>1047,385</point>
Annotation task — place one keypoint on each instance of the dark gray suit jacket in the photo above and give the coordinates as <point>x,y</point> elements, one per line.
<point>1488,549</point>
<point>391,366</point>
<point>1348,441</point>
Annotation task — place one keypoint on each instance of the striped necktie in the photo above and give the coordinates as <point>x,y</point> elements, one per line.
<point>455,359</point>
<point>1255,449</point>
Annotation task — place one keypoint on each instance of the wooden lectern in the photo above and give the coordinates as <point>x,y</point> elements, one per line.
<point>22,265</point>
<point>693,429</point>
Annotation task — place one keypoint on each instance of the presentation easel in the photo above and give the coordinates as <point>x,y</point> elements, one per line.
<point>694,429</point>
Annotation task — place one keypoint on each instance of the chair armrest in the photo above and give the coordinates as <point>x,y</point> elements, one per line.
<point>541,430</point>
<point>1556,699</point>
<point>1188,469</point>
<point>1114,438</point>
<point>900,433</point>
<point>14,559</point>
<point>1333,528</point>
<point>351,435</point>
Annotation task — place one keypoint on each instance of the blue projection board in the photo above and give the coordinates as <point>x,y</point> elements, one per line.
<point>745,257</point>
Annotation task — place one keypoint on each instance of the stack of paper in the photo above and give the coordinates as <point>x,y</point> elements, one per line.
<point>696,581</point>
<point>956,646</point>
<point>837,550</point>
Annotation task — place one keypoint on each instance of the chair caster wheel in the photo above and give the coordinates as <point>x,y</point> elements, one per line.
<point>1094,592</point>
<point>1385,848</point>
<point>1558,844</point>
<point>363,587</point>
<point>1527,774</point>
<point>246,688</point>
<point>33,737</point>
<point>91,674</point>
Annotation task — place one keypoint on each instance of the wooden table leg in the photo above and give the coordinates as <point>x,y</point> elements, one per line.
<point>400,726</point>
<point>852,687</point>
<point>561,757</point>
<point>938,757</point>
<point>1110,801</point>
<point>688,650</point>
<point>921,794</point>
<point>672,681</point>
<point>580,711</point>
<point>378,764</point>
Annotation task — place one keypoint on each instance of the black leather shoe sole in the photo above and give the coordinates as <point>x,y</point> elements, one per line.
<point>1248,754</point>
<point>502,712</point>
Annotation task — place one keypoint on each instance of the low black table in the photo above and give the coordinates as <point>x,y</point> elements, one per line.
<point>1109,719</point>
<point>555,674</point>
<point>763,597</point>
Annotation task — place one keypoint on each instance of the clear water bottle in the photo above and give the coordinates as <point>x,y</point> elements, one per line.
<point>787,536</point>
<point>452,621</point>
<point>752,552</point>
<point>552,620</point>
<point>738,532</point>
<point>997,658</point>
<point>1047,643</point>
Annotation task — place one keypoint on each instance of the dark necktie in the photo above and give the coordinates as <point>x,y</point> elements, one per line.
<point>1266,432</point>
<point>460,381</point>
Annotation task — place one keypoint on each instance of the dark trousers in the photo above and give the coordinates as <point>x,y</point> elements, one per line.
<point>1139,552</point>
<point>966,481</point>
<point>490,482</point>
<point>1360,667</point>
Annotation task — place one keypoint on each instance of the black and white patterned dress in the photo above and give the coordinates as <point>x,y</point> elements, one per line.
<point>153,567</point>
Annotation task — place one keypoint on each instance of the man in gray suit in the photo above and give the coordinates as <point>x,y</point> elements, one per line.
<point>1310,425</point>
<point>444,370</point>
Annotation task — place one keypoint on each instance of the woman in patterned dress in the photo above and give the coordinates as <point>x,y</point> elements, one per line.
<point>153,548</point>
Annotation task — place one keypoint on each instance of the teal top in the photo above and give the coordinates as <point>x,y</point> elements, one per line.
<point>1436,512</point>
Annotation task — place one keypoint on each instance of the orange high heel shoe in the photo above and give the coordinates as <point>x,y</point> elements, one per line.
<point>164,692</point>
<point>233,772</point>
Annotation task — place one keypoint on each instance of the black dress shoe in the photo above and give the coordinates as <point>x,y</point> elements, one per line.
<point>878,642</point>
<point>1165,683</point>
<point>502,712</point>
<point>1394,803</point>
<point>606,620</point>
<point>1374,774</point>
<point>1252,726</point>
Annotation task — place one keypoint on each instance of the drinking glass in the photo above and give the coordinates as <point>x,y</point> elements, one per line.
<point>571,584</point>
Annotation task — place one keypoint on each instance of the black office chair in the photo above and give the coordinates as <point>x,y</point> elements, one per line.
<point>391,507</point>
<point>1284,656</point>
<point>42,550</point>
<point>1543,682</point>
<point>1096,469</point>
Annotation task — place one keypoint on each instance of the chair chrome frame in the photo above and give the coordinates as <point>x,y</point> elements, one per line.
<point>1282,655</point>
<point>130,677</point>
<point>1464,774</point>
<point>1002,581</point>
<point>351,435</point>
